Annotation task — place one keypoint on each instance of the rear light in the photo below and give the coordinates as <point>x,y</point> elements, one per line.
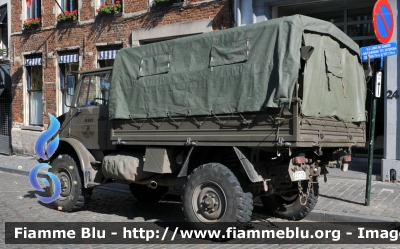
<point>347,158</point>
<point>299,160</point>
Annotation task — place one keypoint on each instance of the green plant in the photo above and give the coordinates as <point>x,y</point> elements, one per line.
<point>32,23</point>
<point>66,16</point>
<point>109,7</point>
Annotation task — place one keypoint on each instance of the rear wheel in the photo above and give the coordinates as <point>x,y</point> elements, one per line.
<point>146,194</point>
<point>288,206</point>
<point>73,196</point>
<point>213,194</point>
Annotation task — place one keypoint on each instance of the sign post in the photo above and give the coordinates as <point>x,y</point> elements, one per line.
<point>371,142</point>
<point>383,26</point>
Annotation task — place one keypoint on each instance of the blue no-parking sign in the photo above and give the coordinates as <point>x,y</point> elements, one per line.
<point>383,21</point>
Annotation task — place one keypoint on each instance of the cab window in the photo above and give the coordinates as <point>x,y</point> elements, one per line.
<point>94,90</point>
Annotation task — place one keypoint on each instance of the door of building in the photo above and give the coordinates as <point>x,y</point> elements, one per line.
<point>5,110</point>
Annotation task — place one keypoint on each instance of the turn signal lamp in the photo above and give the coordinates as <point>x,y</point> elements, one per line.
<point>347,158</point>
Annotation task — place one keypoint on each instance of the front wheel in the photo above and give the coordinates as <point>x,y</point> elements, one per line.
<point>213,194</point>
<point>287,205</point>
<point>73,196</point>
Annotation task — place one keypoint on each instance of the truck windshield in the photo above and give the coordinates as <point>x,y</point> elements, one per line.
<point>94,90</point>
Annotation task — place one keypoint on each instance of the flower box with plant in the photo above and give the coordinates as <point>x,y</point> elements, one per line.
<point>68,16</point>
<point>32,23</point>
<point>109,7</point>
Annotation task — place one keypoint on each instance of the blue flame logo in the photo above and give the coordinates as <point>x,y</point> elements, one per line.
<point>45,136</point>
<point>45,155</point>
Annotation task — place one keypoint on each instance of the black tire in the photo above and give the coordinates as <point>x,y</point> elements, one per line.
<point>73,196</point>
<point>146,194</point>
<point>213,196</point>
<point>289,207</point>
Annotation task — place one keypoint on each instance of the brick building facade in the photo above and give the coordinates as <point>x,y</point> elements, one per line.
<point>42,53</point>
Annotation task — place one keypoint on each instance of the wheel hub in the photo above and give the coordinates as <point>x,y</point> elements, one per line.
<point>65,181</point>
<point>209,202</point>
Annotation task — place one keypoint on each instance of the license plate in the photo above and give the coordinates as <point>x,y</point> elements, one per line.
<point>300,175</point>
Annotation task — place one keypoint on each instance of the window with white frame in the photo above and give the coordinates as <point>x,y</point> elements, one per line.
<point>33,9</point>
<point>105,57</point>
<point>67,5</point>
<point>68,8</point>
<point>34,80</point>
<point>109,6</point>
<point>68,62</point>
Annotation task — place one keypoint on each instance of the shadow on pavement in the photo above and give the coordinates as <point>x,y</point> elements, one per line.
<point>125,205</point>
<point>341,199</point>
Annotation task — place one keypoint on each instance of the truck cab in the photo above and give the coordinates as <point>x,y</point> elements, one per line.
<point>87,119</point>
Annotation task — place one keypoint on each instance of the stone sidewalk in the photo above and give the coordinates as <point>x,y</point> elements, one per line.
<point>340,199</point>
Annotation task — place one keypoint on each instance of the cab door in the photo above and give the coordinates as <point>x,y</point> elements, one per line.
<point>90,118</point>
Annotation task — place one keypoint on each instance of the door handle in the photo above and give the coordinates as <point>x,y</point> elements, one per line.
<point>102,118</point>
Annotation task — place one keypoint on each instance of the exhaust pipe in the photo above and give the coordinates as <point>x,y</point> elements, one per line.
<point>152,184</point>
<point>163,181</point>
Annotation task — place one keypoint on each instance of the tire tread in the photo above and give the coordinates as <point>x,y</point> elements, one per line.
<point>244,200</point>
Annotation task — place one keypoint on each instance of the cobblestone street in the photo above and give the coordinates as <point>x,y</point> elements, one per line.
<point>19,204</point>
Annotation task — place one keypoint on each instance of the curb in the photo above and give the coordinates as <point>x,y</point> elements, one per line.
<point>19,172</point>
<point>337,173</point>
<point>330,216</point>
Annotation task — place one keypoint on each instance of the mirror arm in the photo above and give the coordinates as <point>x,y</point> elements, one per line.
<point>78,110</point>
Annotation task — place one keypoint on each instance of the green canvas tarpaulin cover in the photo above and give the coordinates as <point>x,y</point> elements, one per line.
<point>244,69</point>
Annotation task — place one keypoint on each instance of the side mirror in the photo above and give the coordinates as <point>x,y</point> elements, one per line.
<point>69,89</point>
<point>69,84</point>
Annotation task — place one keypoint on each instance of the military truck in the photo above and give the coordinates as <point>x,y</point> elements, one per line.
<point>252,111</point>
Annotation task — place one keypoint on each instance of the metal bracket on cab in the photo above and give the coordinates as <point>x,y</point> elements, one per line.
<point>189,142</point>
<point>283,147</point>
<point>119,141</point>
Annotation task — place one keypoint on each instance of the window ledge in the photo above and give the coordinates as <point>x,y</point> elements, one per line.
<point>32,128</point>
<point>32,52</point>
<point>67,48</point>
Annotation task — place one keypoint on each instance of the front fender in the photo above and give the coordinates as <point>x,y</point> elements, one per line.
<point>84,156</point>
